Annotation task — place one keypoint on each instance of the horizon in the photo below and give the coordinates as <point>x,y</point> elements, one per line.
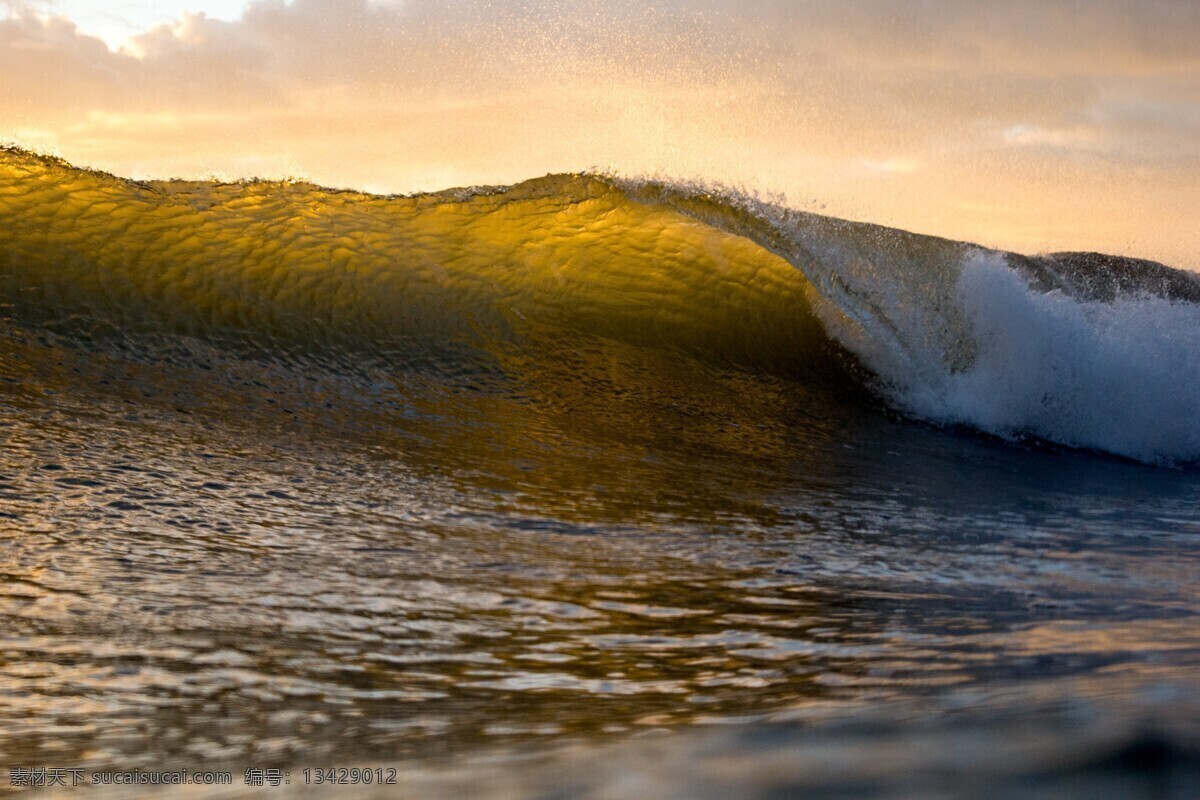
<point>1028,127</point>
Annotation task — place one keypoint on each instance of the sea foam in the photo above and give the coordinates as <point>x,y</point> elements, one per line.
<point>1121,376</point>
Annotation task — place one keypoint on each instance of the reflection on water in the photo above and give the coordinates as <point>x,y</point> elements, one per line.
<point>231,562</point>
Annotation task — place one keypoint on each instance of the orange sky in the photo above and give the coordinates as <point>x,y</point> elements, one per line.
<point>1029,125</point>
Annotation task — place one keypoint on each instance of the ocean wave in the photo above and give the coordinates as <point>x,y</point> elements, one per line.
<point>1121,376</point>
<point>1081,349</point>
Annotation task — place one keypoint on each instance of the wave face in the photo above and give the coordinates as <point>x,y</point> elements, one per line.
<point>1085,350</point>
<point>298,476</point>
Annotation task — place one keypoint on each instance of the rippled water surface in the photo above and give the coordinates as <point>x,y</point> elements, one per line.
<point>198,566</point>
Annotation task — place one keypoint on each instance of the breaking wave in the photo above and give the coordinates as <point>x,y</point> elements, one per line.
<point>1081,349</point>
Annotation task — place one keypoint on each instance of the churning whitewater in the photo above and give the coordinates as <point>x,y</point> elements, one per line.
<point>1084,350</point>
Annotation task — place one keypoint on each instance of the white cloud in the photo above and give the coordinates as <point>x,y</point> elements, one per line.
<point>1076,138</point>
<point>117,21</point>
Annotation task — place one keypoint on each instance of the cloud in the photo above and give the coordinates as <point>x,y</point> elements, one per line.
<point>814,98</point>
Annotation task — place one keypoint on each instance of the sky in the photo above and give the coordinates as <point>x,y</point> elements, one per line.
<point>1033,126</point>
<point>116,21</point>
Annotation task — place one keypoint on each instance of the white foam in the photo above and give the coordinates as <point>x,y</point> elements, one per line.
<point>1122,376</point>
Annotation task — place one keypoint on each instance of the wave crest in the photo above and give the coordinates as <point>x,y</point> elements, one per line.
<point>1083,349</point>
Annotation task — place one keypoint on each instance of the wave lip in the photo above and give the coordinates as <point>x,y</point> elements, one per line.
<point>1085,350</point>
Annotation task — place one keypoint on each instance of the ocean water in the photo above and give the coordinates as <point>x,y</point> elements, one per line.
<point>702,494</point>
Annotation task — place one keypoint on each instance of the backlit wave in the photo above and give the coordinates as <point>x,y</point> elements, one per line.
<point>1082,349</point>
